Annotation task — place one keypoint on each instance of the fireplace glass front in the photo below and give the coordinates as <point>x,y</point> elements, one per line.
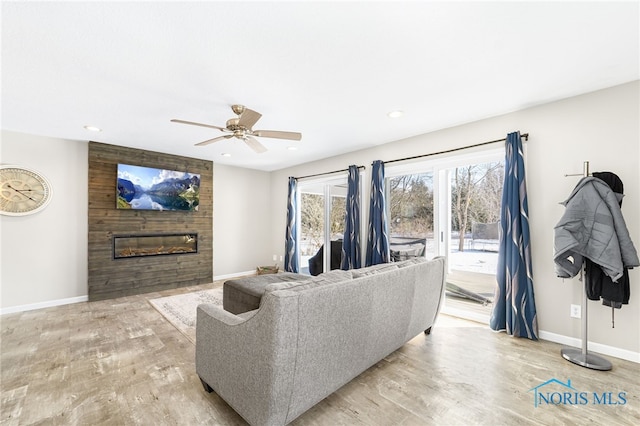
<point>142,245</point>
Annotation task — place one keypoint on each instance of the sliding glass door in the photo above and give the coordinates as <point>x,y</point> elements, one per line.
<point>475,198</point>
<point>451,207</point>
<point>322,220</point>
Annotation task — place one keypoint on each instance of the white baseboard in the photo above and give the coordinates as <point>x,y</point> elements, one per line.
<point>555,338</point>
<point>40,305</point>
<point>234,275</point>
<point>591,346</point>
<point>67,301</point>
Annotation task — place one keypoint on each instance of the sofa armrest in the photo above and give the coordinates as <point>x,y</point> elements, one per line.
<point>219,314</point>
<point>248,359</point>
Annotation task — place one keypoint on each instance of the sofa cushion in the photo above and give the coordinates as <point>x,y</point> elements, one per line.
<point>411,261</point>
<point>255,284</point>
<point>331,277</point>
<point>374,269</point>
<point>285,286</point>
<point>334,276</point>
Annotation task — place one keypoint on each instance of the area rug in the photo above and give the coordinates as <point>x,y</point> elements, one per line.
<point>180,310</point>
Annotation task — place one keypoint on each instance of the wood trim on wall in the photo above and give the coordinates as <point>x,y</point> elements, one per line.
<point>110,278</point>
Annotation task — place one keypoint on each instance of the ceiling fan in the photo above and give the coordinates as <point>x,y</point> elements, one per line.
<point>241,127</point>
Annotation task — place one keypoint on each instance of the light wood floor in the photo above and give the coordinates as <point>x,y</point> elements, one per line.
<point>118,362</point>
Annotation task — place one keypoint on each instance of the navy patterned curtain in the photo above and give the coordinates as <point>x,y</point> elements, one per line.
<point>378,239</point>
<point>291,248</point>
<point>514,305</point>
<point>351,240</point>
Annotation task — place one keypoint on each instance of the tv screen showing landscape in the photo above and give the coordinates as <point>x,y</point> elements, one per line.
<point>146,188</point>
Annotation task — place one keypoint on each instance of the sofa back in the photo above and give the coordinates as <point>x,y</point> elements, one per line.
<point>344,327</point>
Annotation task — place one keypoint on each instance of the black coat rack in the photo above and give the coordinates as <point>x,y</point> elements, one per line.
<point>581,356</point>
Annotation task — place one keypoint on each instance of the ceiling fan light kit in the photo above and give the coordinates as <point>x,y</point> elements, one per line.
<point>241,127</point>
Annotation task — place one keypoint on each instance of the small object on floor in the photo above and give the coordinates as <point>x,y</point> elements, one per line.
<point>261,270</point>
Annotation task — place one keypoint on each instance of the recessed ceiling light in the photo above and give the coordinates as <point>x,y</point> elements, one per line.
<point>395,114</point>
<point>226,154</point>
<point>93,128</point>
<point>292,148</point>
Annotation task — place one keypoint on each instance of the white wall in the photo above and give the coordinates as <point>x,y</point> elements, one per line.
<point>600,127</point>
<point>44,255</point>
<point>241,220</point>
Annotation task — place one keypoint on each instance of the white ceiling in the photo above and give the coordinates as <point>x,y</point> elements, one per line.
<point>330,70</point>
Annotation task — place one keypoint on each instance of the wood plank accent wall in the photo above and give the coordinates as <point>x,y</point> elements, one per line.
<point>110,278</point>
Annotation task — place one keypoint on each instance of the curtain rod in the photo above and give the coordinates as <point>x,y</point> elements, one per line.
<point>327,173</point>
<point>525,136</point>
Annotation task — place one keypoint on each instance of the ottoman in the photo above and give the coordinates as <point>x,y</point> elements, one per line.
<point>244,294</point>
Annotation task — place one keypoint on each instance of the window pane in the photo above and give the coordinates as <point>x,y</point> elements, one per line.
<point>476,194</point>
<point>411,216</point>
<point>338,210</point>
<point>320,224</point>
<point>311,226</point>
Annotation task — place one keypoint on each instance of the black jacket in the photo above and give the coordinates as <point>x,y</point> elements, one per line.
<point>598,285</point>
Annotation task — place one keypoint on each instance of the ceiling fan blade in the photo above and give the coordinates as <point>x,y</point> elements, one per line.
<point>278,135</point>
<point>248,118</point>
<point>211,126</point>
<point>255,145</point>
<point>219,138</point>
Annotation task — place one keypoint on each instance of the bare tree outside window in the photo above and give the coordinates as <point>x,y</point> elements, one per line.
<point>411,205</point>
<point>476,192</point>
<point>312,220</point>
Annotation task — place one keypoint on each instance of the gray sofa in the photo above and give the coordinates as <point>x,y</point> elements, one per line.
<point>308,338</point>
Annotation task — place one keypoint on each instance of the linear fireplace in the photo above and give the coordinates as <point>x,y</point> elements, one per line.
<point>142,245</point>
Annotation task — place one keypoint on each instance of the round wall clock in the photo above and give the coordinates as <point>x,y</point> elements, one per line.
<point>22,191</point>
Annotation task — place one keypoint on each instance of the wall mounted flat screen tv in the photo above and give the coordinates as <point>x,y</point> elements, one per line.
<point>146,188</point>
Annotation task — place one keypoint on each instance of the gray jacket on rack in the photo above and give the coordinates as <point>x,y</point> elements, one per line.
<point>592,227</point>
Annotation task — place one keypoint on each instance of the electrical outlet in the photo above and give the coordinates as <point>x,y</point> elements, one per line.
<point>275,257</point>
<point>576,311</point>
